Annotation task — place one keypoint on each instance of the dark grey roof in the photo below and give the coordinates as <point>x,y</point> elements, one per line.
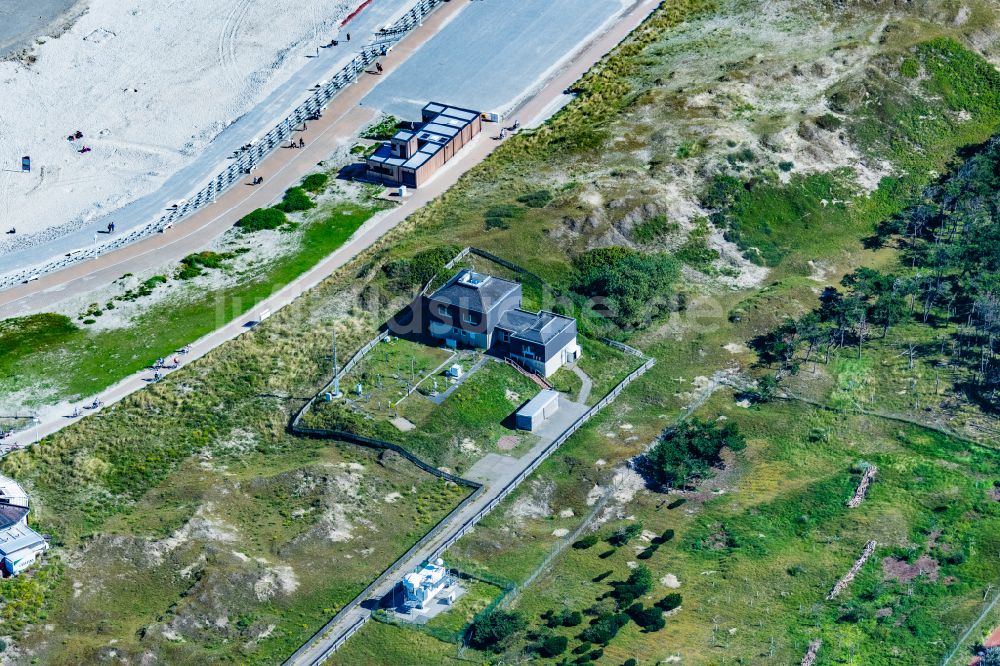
<point>534,326</point>
<point>11,514</point>
<point>474,291</point>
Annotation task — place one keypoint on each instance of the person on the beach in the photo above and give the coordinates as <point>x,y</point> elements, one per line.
<point>348,36</point>
<point>302,143</point>
<point>378,67</point>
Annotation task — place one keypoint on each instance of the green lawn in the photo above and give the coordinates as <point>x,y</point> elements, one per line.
<point>390,371</point>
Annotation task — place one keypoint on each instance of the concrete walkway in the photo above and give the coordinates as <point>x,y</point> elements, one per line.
<point>586,386</point>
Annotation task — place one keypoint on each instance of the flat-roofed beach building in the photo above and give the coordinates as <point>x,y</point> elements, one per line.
<point>413,155</point>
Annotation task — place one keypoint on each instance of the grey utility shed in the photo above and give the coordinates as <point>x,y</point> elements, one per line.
<point>539,408</point>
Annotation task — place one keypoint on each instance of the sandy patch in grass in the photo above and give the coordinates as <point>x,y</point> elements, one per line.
<point>508,442</point>
<point>534,504</point>
<point>903,572</point>
<point>671,581</point>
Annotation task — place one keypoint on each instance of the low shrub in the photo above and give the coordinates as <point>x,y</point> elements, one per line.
<point>650,619</point>
<point>492,630</point>
<point>262,219</point>
<point>625,534</point>
<point>315,182</point>
<point>669,602</point>
<point>553,646</point>
<point>605,628</point>
<point>829,122</point>
<point>586,542</point>
<point>295,200</point>
<point>538,199</point>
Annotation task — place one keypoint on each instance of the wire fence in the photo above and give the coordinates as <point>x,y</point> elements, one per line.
<point>248,157</point>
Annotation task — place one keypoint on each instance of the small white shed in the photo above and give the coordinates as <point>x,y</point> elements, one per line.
<point>538,409</point>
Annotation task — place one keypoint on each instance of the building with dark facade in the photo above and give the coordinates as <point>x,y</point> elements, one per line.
<point>413,155</point>
<point>478,310</point>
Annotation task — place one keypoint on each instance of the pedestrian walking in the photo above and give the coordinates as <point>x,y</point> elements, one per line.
<point>378,67</point>
<point>348,36</point>
<point>302,143</point>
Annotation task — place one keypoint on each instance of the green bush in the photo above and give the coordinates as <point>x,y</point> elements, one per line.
<point>625,534</point>
<point>583,647</point>
<point>586,542</point>
<point>638,583</point>
<point>499,216</point>
<point>669,602</point>
<point>538,199</point>
<point>420,268</point>
<point>262,219</point>
<point>650,619</point>
<point>636,287</point>
<point>690,451</point>
<point>193,265</point>
<point>630,662</point>
<point>383,130</point>
<point>490,631</point>
<point>295,200</point>
<point>653,229</point>
<point>553,646</point>
<point>909,68</point>
<point>315,182</point>
<point>605,628</point>
<point>829,122</point>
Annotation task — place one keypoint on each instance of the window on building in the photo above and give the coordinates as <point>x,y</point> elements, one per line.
<point>443,310</point>
<point>504,336</point>
<point>470,318</point>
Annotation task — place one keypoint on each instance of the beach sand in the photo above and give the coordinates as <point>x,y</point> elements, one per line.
<point>149,84</point>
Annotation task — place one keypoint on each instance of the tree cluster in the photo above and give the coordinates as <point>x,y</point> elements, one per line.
<point>949,276</point>
<point>688,452</point>
<point>633,286</point>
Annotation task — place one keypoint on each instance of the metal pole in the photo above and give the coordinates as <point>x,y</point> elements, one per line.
<point>336,379</point>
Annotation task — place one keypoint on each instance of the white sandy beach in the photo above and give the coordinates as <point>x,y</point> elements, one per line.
<point>149,83</point>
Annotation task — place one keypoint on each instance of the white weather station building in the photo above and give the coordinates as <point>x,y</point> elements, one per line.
<point>20,545</point>
<point>426,583</point>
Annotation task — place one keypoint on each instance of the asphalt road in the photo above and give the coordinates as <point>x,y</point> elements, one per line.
<point>499,50</point>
